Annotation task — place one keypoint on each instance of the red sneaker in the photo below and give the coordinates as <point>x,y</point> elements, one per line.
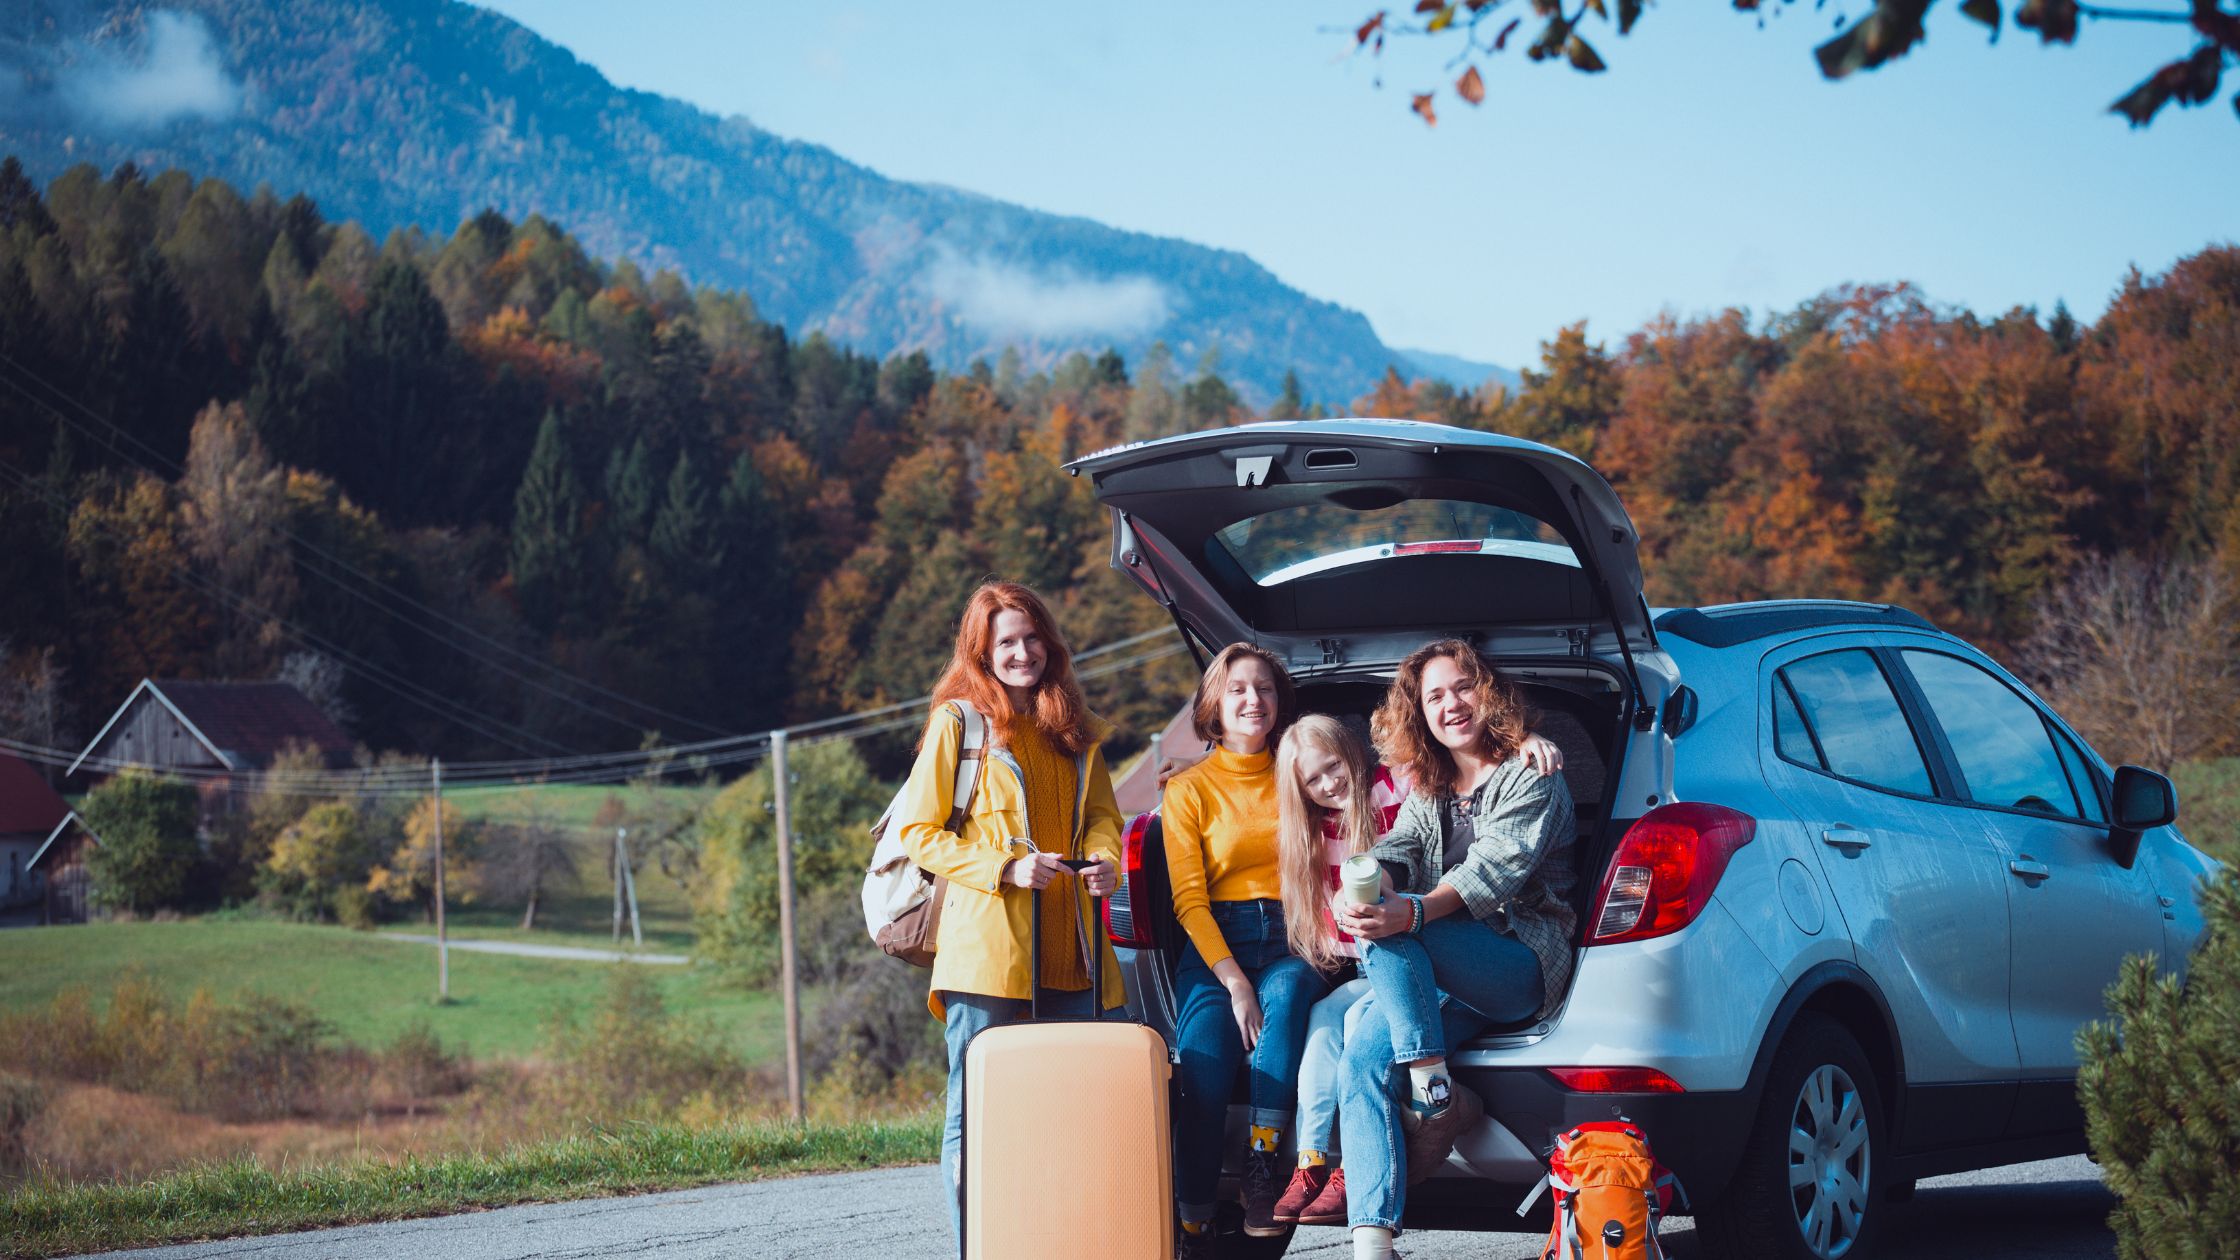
<point>1329,1207</point>
<point>1306,1185</point>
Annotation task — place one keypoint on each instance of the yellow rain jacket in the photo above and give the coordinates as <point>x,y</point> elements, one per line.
<point>982,947</point>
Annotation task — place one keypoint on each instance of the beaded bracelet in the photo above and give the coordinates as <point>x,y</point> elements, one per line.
<point>1416,903</point>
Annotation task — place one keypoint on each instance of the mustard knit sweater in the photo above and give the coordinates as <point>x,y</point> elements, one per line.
<point>1219,817</point>
<point>1051,787</point>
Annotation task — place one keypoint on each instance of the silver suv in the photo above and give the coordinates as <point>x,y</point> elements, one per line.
<point>1847,888</point>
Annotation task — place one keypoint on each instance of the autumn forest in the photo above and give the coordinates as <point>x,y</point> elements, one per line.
<point>482,494</point>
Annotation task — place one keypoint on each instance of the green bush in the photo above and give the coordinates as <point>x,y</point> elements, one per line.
<point>2161,1093</point>
<point>735,895</point>
<point>148,846</point>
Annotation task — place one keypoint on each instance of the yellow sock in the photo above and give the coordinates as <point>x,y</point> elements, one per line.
<point>1196,1227</point>
<point>1312,1159</point>
<point>1266,1139</point>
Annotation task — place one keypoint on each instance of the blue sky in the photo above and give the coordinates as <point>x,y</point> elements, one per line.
<point>1711,166</point>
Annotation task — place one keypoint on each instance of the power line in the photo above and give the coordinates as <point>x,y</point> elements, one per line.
<point>157,457</point>
<point>397,685</point>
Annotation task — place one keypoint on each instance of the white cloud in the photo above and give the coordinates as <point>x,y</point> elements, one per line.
<point>1006,299</point>
<point>178,74</point>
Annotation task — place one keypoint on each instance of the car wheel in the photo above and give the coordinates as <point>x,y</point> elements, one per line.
<point>1806,1185</point>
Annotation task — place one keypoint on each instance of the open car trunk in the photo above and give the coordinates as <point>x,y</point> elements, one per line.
<point>1581,708</point>
<point>1341,543</point>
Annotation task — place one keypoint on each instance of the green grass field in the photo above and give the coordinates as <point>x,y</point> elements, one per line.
<point>581,915</point>
<point>371,989</point>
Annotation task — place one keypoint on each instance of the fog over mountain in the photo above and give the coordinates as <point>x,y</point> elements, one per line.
<point>419,113</point>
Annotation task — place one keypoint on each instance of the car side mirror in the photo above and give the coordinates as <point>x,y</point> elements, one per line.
<point>2143,800</point>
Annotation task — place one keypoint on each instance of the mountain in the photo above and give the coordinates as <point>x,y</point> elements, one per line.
<point>1455,370</point>
<point>420,113</point>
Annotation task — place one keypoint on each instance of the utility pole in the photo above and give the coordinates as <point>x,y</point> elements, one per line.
<point>443,940</point>
<point>629,885</point>
<point>619,866</point>
<point>790,977</point>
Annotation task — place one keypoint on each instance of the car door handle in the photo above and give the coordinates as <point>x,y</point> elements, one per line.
<point>2031,871</point>
<point>1847,838</point>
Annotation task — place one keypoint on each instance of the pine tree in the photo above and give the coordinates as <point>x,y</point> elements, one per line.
<point>547,530</point>
<point>684,542</point>
<point>2160,1084</point>
<point>1290,404</point>
<point>630,502</point>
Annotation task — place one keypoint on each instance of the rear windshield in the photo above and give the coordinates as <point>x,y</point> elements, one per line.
<point>1294,542</point>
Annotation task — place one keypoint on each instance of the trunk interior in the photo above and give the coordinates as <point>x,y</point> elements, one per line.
<point>1582,710</point>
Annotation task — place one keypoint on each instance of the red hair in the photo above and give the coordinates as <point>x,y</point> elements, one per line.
<point>1059,711</point>
<point>1404,738</point>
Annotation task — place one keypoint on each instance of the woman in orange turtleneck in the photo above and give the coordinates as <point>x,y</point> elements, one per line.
<point>1239,988</point>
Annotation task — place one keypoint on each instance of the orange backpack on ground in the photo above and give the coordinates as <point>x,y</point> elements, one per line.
<point>1611,1193</point>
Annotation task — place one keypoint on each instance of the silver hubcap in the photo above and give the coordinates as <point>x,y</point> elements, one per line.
<point>1829,1161</point>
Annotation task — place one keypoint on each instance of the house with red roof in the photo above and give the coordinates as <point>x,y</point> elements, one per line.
<point>30,815</point>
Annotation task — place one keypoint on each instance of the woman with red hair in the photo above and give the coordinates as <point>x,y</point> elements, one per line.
<point>1043,796</point>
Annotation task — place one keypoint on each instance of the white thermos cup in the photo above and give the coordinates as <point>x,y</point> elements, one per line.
<point>1362,879</point>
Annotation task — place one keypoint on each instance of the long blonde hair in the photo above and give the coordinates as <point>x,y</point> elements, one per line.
<point>1299,847</point>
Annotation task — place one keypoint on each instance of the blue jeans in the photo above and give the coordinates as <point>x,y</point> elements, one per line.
<point>1327,1026</point>
<point>970,1014</point>
<point>1212,1049</point>
<point>1428,992</point>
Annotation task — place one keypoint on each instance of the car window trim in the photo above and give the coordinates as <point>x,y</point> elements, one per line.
<point>1944,746</point>
<point>1944,767</point>
<point>1927,760</point>
<point>1781,680</point>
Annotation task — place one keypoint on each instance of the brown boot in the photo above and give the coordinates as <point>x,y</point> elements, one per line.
<point>1329,1207</point>
<point>1263,1185</point>
<point>1434,1135</point>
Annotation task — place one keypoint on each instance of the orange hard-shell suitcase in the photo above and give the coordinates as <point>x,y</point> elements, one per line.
<point>1066,1138</point>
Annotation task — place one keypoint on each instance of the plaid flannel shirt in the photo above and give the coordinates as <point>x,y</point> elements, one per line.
<point>1516,878</point>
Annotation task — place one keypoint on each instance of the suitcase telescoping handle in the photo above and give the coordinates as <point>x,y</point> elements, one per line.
<point>1092,931</point>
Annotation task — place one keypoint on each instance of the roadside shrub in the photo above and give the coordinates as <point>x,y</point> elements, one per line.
<point>418,1065</point>
<point>255,1058</point>
<point>21,1101</point>
<point>636,1060</point>
<point>2160,1086</point>
<point>258,1059</point>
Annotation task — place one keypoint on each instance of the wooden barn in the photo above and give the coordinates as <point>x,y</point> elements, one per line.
<point>30,813</point>
<point>60,867</point>
<point>214,731</point>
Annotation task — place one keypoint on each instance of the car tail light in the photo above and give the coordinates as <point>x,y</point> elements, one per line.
<point>1435,548</point>
<point>1131,926</point>
<point>1665,868</point>
<point>1616,1080</point>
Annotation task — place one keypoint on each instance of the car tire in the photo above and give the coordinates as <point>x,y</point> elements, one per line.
<point>1806,1187</point>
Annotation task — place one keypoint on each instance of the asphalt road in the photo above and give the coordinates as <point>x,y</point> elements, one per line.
<point>520,949</point>
<point>2057,1208</point>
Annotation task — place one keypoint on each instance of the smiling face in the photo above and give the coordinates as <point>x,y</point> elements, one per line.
<point>1018,657</point>
<point>1325,778</point>
<point>1451,704</point>
<point>1248,705</point>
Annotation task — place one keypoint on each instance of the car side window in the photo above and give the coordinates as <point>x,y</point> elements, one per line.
<point>1861,732</point>
<point>2000,739</point>
<point>1791,738</point>
<point>2082,778</point>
